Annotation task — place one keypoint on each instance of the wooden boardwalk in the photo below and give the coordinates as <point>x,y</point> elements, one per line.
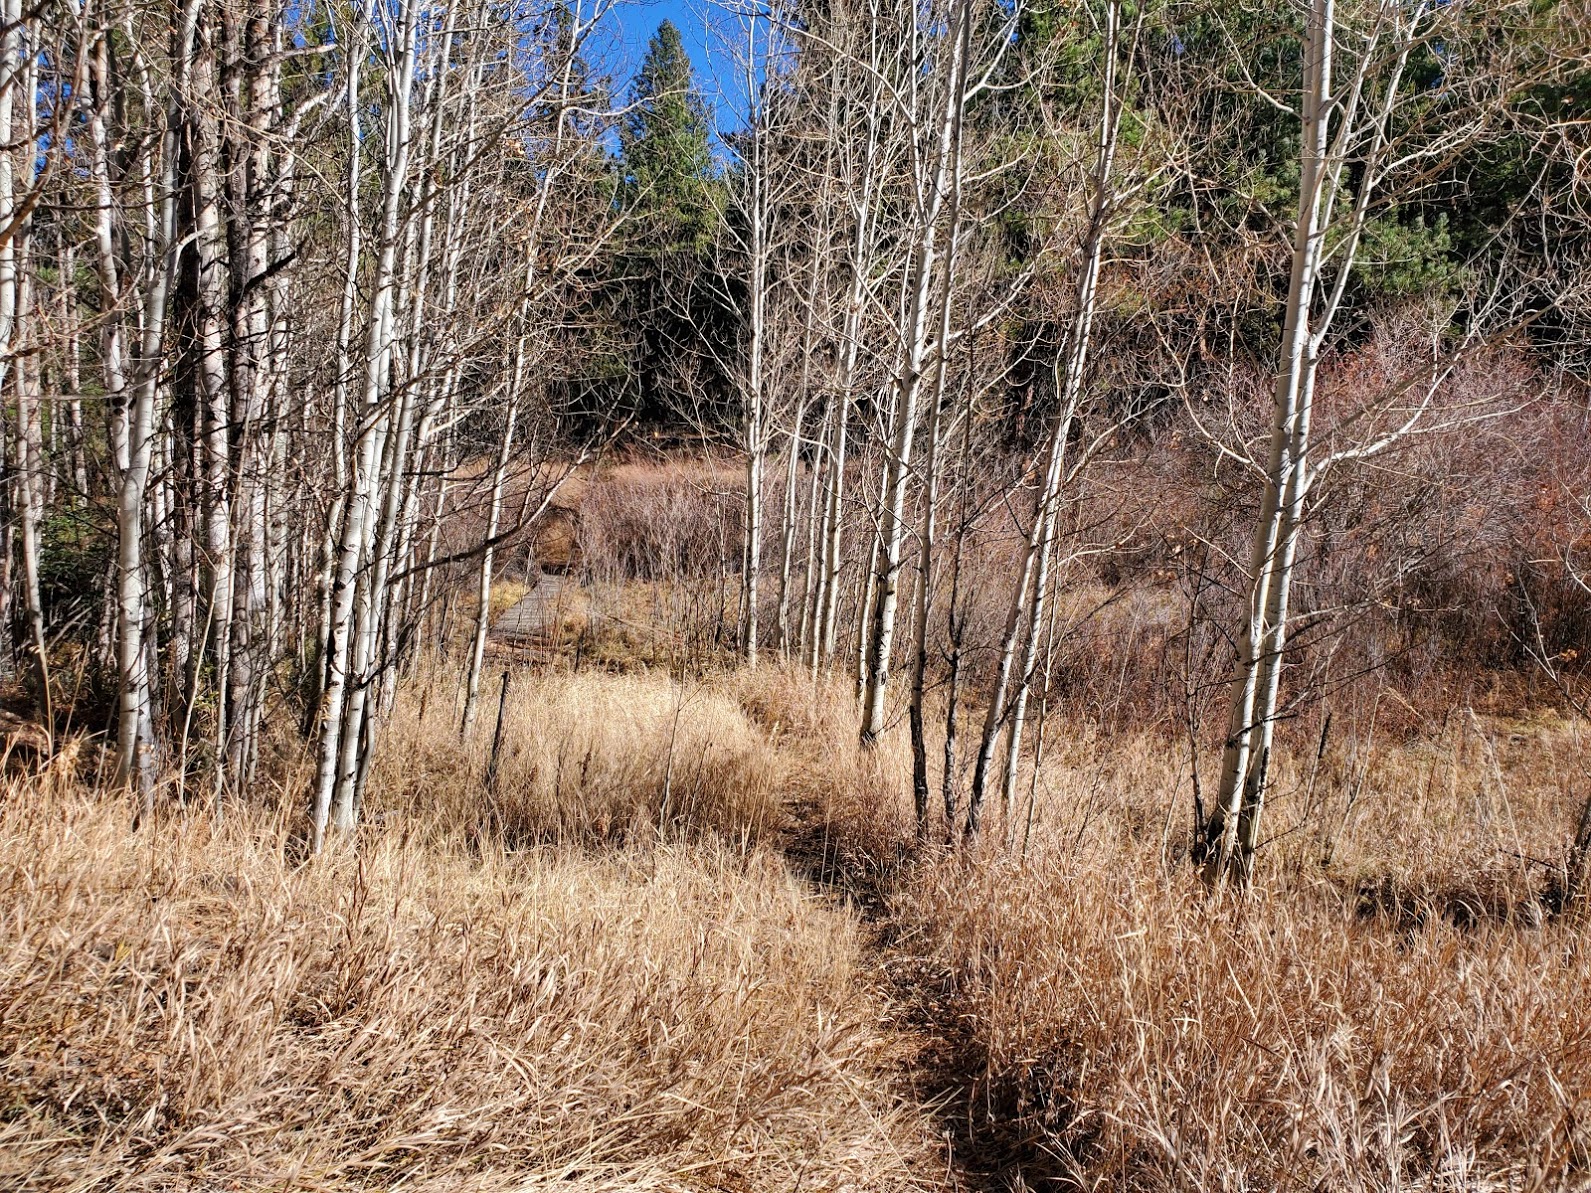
<point>534,619</point>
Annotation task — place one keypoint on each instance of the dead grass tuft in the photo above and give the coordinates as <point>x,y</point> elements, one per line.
<point>184,1009</point>
<point>1354,1026</point>
<point>588,756</point>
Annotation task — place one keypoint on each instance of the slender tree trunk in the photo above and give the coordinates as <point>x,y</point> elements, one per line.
<point>251,386</point>
<point>756,435</point>
<point>1025,615</point>
<point>1231,835</point>
<point>359,518</point>
<point>336,529</point>
<point>927,534</point>
<point>136,747</point>
<point>18,102</point>
<point>215,414</point>
<point>493,521</point>
<point>908,384</point>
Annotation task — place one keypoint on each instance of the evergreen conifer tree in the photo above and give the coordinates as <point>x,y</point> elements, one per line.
<point>668,165</point>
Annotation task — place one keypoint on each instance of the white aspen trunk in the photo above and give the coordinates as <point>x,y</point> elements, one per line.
<point>826,640</point>
<point>173,555</point>
<point>810,650</point>
<point>398,516</point>
<point>1231,835</point>
<point>71,348</point>
<point>15,320</point>
<point>956,625</point>
<point>908,384</point>
<point>10,80</point>
<point>1026,612</point>
<point>861,245</point>
<point>442,398</point>
<point>789,516</point>
<point>136,754</point>
<point>756,445</point>
<point>364,656</point>
<point>105,260</point>
<point>924,601</point>
<point>796,635</point>
<point>251,384</point>
<point>484,586</point>
<point>358,41</point>
<point>358,520</point>
<point>928,528</point>
<point>203,118</point>
<point>31,473</point>
<point>865,593</point>
<point>283,563</point>
<point>366,661</point>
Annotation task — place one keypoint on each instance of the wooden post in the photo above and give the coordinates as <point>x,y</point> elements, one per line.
<point>497,734</point>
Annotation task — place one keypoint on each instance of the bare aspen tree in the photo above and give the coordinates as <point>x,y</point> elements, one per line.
<point>927,530</point>
<point>934,152</point>
<point>865,152</point>
<point>1026,613</point>
<point>18,149</point>
<point>137,762</point>
<point>335,745</point>
<point>356,39</point>
<point>493,524</point>
<point>251,183</point>
<point>756,210</point>
<point>203,119</point>
<point>1355,154</point>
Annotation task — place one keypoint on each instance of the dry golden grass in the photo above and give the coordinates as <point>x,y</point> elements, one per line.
<point>185,1008</point>
<point>617,967</point>
<point>597,755</point>
<point>583,756</point>
<point>1405,1017</point>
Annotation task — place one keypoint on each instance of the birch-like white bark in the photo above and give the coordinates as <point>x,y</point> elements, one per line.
<point>359,518</point>
<point>1026,609</point>
<point>933,187</point>
<point>136,748</point>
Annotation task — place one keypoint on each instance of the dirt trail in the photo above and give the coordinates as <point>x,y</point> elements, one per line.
<point>988,1147</point>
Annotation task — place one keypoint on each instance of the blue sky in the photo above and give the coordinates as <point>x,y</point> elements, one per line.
<point>634,22</point>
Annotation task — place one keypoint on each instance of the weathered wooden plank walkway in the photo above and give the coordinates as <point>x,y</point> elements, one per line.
<point>534,618</point>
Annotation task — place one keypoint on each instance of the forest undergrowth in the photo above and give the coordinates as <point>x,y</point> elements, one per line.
<point>678,936</point>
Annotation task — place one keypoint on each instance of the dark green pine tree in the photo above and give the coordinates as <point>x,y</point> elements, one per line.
<point>663,146</point>
<point>667,291</point>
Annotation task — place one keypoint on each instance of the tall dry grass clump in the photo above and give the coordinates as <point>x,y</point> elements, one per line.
<point>598,756</point>
<point>1111,1025</point>
<point>589,755</point>
<point>186,1008</point>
